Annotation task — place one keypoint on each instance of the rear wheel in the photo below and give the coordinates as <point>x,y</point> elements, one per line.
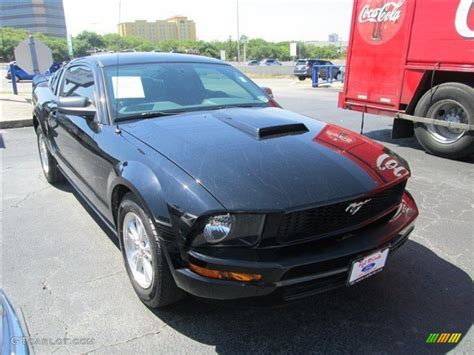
<point>339,76</point>
<point>302,78</point>
<point>451,102</point>
<point>48,163</point>
<point>143,255</point>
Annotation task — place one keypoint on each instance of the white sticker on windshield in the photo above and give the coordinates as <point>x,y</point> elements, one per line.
<point>128,87</point>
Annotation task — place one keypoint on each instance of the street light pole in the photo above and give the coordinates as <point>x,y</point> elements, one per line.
<point>238,33</point>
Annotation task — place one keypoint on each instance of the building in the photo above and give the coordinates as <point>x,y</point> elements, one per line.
<point>178,28</point>
<point>44,16</point>
<point>333,37</point>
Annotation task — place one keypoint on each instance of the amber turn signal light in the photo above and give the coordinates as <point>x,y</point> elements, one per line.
<point>224,275</point>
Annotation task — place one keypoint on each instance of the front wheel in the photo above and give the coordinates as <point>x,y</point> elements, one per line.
<point>301,78</point>
<point>48,163</point>
<point>452,102</point>
<point>143,255</point>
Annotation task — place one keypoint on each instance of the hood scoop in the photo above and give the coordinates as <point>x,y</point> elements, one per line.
<point>264,127</point>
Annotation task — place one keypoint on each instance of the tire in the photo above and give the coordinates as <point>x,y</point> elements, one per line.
<point>48,164</point>
<point>302,78</point>
<point>339,76</point>
<point>448,101</point>
<point>17,78</point>
<point>151,278</point>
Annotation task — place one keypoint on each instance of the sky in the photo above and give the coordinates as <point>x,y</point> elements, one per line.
<point>272,20</point>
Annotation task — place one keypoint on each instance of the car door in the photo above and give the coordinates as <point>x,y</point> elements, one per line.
<point>74,136</point>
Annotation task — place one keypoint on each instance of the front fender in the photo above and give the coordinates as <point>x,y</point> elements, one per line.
<point>141,180</point>
<point>162,187</point>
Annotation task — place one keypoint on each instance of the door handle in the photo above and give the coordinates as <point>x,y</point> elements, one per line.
<point>53,118</point>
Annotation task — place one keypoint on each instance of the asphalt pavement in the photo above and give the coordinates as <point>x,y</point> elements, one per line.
<point>64,273</point>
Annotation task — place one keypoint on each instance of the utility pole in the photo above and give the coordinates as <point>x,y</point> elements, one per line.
<point>238,33</point>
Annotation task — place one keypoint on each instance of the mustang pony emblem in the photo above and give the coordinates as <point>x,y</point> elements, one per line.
<point>355,207</point>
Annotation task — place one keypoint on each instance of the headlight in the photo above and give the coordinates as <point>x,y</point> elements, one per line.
<point>217,228</point>
<point>230,230</point>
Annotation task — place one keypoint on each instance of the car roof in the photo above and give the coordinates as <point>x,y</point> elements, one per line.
<point>110,59</point>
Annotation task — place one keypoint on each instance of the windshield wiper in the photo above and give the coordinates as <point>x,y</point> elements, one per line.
<point>147,114</point>
<point>221,107</point>
<point>154,114</point>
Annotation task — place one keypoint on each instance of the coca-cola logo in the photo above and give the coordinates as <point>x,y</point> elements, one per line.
<point>464,21</point>
<point>386,162</point>
<point>379,21</point>
<point>389,12</point>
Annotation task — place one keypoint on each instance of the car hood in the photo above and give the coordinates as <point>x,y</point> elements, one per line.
<point>268,159</point>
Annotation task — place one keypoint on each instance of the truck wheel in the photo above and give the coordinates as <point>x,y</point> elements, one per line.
<point>453,102</point>
<point>143,255</point>
<point>48,163</point>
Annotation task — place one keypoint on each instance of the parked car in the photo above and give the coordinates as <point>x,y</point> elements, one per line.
<point>304,67</point>
<point>20,74</point>
<point>13,340</point>
<point>211,187</point>
<point>253,62</point>
<point>269,62</point>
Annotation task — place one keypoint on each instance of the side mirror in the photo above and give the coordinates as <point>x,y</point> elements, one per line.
<point>268,91</point>
<point>77,106</point>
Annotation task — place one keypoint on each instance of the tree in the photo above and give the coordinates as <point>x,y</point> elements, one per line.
<point>324,52</point>
<point>93,39</point>
<point>58,46</point>
<point>85,42</point>
<point>10,37</point>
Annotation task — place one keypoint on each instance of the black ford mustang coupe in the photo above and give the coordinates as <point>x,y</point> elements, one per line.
<point>211,187</point>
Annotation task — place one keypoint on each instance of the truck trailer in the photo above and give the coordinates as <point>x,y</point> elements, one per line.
<point>414,60</point>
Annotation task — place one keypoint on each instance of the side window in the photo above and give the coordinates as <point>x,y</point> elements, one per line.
<point>53,81</point>
<point>79,81</point>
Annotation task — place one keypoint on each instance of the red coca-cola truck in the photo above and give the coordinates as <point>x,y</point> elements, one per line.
<point>414,60</point>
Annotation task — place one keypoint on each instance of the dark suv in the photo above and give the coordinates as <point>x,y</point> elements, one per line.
<point>304,67</point>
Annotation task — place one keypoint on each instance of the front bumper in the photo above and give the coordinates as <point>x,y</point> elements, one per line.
<point>294,271</point>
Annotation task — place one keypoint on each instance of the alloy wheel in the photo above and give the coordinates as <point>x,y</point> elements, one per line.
<point>138,250</point>
<point>43,149</point>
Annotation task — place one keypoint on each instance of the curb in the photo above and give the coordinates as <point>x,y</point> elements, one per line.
<point>16,123</point>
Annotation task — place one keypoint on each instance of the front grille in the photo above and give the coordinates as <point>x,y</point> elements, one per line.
<point>326,220</point>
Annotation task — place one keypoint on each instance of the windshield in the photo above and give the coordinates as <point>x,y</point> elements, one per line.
<point>139,89</point>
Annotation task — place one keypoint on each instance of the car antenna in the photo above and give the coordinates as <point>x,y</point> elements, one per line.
<point>117,128</point>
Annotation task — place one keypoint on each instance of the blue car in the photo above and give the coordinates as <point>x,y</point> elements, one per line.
<point>13,339</point>
<point>20,74</point>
